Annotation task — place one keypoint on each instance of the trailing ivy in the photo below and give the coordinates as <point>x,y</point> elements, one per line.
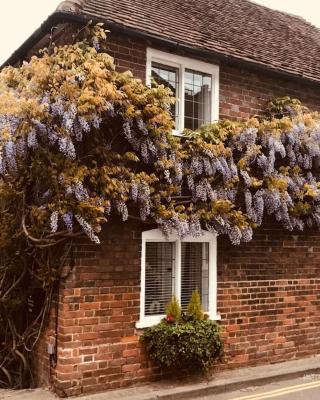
<point>187,341</point>
<point>193,345</point>
<point>81,143</point>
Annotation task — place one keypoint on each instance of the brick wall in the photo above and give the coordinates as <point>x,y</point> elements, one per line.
<point>98,345</point>
<point>129,54</point>
<point>268,290</point>
<point>268,297</point>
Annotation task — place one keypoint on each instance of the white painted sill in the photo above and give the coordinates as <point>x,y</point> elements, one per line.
<point>147,322</point>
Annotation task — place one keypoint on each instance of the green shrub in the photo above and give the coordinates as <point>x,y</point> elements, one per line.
<point>173,310</point>
<point>194,307</point>
<point>194,345</point>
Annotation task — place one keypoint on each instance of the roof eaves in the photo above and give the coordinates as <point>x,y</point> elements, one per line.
<point>70,11</point>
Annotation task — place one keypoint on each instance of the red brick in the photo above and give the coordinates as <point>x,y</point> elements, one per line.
<point>130,367</point>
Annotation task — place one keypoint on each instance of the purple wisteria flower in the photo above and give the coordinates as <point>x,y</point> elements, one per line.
<point>54,221</point>
<point>87,228</point>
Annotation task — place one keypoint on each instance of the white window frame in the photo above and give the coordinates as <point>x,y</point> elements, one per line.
<point>183,63</point>
<point>155,235</point>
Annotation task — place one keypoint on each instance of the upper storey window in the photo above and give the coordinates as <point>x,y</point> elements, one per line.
<point>194,84</point>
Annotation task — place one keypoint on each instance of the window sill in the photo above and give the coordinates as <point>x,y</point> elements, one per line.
<point>216,317</point>
<point>146,322</point>
<point>176,132</point>
<point>154,320</point>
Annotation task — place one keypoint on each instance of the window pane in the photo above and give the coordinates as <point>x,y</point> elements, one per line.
<point>188,123</point>
<point>159,276</point>
<point>197,91</point>
<point>169,77</point>
<point>194,272</point>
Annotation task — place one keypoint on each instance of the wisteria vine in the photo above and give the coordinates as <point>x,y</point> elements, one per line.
<point>258,168</point>
<point>81,143</point>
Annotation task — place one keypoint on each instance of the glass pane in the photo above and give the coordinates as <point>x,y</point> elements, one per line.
<point>207,80</point>
<point>159,276</point>
<point>197,90</point>
<point>194,272</point>
<point>188,123</point>
<point>197,80</point>
<point>169,77</point>
<point>188,77</point>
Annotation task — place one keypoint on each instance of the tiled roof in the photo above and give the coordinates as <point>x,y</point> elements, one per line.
<point>237,28</point>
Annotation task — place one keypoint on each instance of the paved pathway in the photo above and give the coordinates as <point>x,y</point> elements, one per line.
<point>36,394</point>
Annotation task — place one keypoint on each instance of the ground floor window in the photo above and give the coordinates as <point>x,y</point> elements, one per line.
<point>172,266</point>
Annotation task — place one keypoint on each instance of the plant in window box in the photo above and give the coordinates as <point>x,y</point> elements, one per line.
<point>189,341</point>
<point>173,311</point>
<point>194,308</point>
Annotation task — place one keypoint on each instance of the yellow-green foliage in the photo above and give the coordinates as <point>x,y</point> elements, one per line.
<point>174,309</point>
<point>195,307</point>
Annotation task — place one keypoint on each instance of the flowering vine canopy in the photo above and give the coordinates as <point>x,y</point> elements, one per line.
<point>81,143</point>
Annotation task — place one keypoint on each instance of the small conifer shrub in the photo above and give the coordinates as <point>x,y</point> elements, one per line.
<point>173,310</point>
<point>194,308</point>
